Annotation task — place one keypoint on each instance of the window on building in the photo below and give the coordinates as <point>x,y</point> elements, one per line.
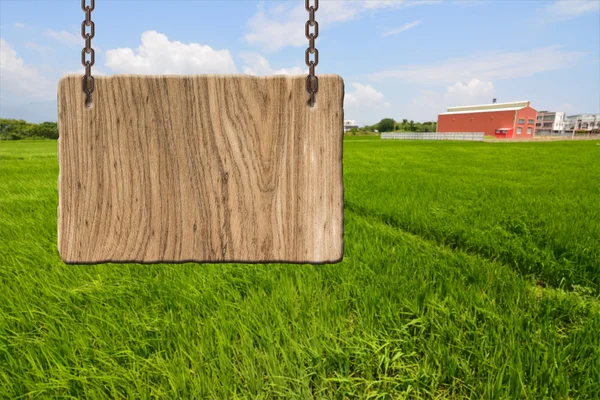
<point>519,130</point>
<point>530,121</point>
<point>529,130</point>
<point>521,121</point>
<point>538,124</point>
<point>539,118</point>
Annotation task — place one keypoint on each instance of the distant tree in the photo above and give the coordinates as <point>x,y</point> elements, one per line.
<point>411,126</point>
<point>46,130</point>
<point>386,125</point>
<point>13,129</point>
<point>425,126</point>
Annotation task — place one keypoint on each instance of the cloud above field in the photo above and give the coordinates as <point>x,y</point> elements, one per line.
<point>255,64</point>
<point>485,66</point>
<point>430,102</point>
<point>19,80</point>
<point>403,28</point>
<point>475,91</point>
<point>562,10</point>
<point>365,96</point>
<point>159,55</point>
<point>274,27</point>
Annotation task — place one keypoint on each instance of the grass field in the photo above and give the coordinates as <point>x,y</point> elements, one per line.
<point>470,270</point>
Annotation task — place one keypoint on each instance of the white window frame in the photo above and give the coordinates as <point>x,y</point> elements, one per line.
<point>530,131</point>
<point>519,130</point>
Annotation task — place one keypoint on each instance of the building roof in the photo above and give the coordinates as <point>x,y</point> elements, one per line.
<point>512,106</point>
<point>584,116</point>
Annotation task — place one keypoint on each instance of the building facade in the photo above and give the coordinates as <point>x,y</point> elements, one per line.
<point>550,123</point>
<point>514,120</point>
<point>349,124</point>
<point>583,122</point>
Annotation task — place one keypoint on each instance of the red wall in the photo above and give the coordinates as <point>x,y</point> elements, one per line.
<point>525,114</point>
<point>488,122</point>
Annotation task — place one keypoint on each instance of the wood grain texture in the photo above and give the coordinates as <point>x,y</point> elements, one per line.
<point>204,168</point>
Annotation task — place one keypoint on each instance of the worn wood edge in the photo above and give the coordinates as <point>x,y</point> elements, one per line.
<point>61,82</point>
<point>64,80</point>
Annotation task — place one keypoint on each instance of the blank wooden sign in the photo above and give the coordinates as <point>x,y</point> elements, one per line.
<point>205,168</point>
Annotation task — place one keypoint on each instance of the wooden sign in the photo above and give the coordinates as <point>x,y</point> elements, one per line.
<point>204,168</point>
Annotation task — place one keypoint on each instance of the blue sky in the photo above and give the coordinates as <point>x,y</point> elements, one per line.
<point>400,59</point>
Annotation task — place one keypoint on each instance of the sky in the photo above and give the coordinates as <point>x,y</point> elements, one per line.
<point>399,58</point>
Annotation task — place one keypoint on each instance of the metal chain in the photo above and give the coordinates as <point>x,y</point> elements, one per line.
<point>312,82</point>
<point>88,79</point>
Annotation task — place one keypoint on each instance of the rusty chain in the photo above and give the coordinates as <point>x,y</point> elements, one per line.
<point>88,79</point>
<point>312,82</point>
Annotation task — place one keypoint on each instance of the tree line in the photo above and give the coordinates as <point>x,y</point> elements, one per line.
<point>390,125</point>
<point>16,129</point>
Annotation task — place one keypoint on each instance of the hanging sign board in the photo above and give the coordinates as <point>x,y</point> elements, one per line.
<point>204,168</point>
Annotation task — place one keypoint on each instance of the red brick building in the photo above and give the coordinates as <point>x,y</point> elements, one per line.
<point>515,120</point>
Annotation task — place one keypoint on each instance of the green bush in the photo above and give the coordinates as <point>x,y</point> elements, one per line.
<point>45,130</point>
<point>15,129</point>
<point>386,125</point>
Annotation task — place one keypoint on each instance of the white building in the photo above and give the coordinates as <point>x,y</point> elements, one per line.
<point>349,124</point>
<point>583,122</point>
<point>550,123</point>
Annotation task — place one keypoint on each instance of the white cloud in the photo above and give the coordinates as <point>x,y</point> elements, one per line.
<point>485,66</point>
<point>365,104</point>
<point>21,25</point>
<point>429,102</point>
<point>566,9</point>
<point>475,89</point>
<point>365,96</point>
<point>403,28</point>
<point>19,80</point>
<point>158,55</point>
<point>275,27</point>
<point>258,65</point>
<point>64,36</point>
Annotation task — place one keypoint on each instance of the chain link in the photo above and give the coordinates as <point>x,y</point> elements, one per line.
<point>312,82</point>
<point>88,79</point>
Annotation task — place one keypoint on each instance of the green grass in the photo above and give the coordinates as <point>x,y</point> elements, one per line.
<point>470,270</point>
